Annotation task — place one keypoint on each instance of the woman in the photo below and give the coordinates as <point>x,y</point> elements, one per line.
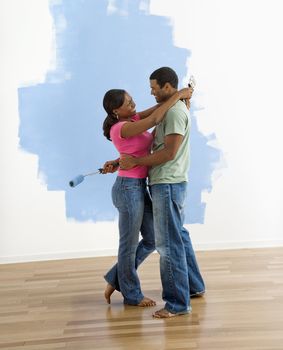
<point>128,131</point>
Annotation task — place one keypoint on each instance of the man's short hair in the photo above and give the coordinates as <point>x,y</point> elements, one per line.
<point>165,75</point>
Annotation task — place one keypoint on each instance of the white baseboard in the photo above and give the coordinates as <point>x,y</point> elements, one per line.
<point>113,252</point>
<point>237,245</point>
<point>57,256</point>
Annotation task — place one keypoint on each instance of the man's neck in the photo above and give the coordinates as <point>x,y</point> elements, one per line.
<point>171,93</point>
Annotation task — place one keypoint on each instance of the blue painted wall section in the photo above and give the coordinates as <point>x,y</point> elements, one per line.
<point>61,119</point>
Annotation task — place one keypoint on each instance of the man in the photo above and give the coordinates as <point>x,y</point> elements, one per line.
<point>168,177</point>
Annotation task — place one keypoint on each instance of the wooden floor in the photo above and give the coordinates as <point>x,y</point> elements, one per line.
<point>60,305</point>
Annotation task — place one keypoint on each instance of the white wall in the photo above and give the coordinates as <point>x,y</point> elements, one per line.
<point>236,57</point>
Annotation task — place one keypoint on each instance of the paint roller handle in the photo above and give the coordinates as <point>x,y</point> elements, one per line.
<point>115,164</point>
<point>98,171</point>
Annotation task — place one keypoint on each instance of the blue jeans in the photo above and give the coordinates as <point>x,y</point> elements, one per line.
<point>179,270</point>
<point>131,197</point>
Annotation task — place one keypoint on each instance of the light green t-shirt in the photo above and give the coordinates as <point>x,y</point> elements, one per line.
<point>176,121</point>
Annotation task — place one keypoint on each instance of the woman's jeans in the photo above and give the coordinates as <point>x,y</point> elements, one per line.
<point>131,197</point>
<point>180,275</point>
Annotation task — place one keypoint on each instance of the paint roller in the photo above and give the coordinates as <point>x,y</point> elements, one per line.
<point>80,178</point>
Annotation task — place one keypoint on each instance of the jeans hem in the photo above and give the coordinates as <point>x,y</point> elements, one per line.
<point>132,303</point>
<point>113,285</point>
<point>195,294</point>
<point>187,311</point>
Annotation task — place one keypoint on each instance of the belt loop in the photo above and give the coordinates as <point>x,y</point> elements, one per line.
<point>147,183</point>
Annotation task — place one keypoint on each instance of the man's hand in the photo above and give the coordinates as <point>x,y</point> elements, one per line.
<point>110,166</point>
<point>127,162</point>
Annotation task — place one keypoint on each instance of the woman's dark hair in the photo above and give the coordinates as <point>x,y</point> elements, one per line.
<point>112,99</point>
<point>165,75</point>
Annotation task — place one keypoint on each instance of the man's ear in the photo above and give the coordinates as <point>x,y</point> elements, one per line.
<point>167,86</point>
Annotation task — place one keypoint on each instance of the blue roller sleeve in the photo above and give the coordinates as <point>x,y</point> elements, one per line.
<point>76,181</point>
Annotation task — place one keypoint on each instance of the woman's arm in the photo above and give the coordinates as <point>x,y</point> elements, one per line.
<point>146,113</point>
<point>135,128</point>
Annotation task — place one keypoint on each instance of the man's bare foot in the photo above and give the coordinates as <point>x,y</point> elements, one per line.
<point>108,292</point>
<point>145,302</point>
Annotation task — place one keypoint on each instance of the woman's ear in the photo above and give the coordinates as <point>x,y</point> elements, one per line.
<point>115,112</point>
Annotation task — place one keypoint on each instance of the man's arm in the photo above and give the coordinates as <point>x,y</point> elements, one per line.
<point>172,143</point>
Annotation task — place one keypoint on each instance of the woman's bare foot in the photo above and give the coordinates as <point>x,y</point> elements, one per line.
<point>145,302</point>
<point>108,292</point>
<point>163,313</point>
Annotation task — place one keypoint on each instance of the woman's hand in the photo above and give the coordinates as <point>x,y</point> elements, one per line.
<point>110,166</point>
<point>186,93</point>
<point>188,103</point>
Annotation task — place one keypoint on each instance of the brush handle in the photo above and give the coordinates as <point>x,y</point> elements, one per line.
<point>192,82</point>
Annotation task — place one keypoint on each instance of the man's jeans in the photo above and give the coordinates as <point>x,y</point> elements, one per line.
<point>130,196</point>
<point>179,270</point>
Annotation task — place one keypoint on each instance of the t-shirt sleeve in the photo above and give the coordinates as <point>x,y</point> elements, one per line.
<point>176,122</point>
<point>115,132</point>
<point>136,117</point>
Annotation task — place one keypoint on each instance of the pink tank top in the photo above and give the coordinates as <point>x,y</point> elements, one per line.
<point>137,146</point>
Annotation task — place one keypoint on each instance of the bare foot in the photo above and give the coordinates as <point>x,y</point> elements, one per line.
<point>163,313</point>
<point>145,302</point>
<point>108,292</point>
<point>197,294</point>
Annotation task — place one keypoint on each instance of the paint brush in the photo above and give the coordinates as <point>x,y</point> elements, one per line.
<point>192,82</point>
<point>80,178</point>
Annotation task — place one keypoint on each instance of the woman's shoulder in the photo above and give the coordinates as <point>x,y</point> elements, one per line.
<point>115,130</point>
